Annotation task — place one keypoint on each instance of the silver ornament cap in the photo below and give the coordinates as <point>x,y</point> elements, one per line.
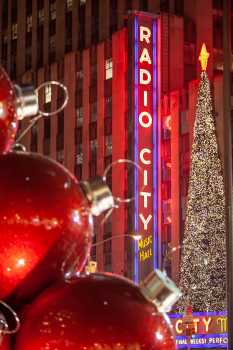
<point>99,195</point>
<point>26,101</point>
<point>161,290</point>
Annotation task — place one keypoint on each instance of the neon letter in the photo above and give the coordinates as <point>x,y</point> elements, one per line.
<point>145,181</point>
<point>145,57</point>
<point>145,196</point>
<point>145,98</point>
<point>178,329</point>
<point>206,323</point>
<point>145,33</point>
<point>144,80</point>
<point>142,123</point>
<point>145,221</point>
<point>141,156</point>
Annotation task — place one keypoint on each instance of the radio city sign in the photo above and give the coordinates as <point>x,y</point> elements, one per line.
<point>145,88</point>
<point>209,330</point>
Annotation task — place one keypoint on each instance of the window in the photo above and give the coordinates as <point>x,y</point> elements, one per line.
<point>34,139</point>
<point>95,22</point>
<point>40,16</point>
<point>5,15</point>
<point>29,6</point>
<point>79,113</point>
<point>60,123</point>
<point>78,135</point>
<point>14,11</point>
<point>79,158</point>
<point>46,146</point>
<point>93,130</point>
<point>108,106</point>
<point>93,116</point>
<point>40,45</point>
<point>107,126</point>
<point>128,5</point>
<point>113,17</point>
<point>81,21</point>
<point>143,5</point>
<point>217,4</point>
<point>179,7</point>
<point>79,80</point>
<point>28,39</point>
<point>48,93</point>
<point>93,73</point>
<point>4,50</point>
<point>94,146</point>
<point>52,49</point>
<point>68,43</point>
<point>69,4</point>
<point>92,168</point>
<point>40,4</point>
<point>164,5</point>
<point>52,27</point>
<point>29,23</point>
<point>28,58</point>
<point>14,31</point>
<point>60,156</point>
<point>47,127</point>
<point>107,252</point>
<point>78,171</point>
<point>52,10</point>
<point>108,69</point>
<point>108,145</point>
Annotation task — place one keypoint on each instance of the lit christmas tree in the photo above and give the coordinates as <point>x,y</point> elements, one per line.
<point>203,260</point>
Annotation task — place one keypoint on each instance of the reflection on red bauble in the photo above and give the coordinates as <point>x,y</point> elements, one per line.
<point>44,228</point>
<point>5,344</point>
<point>95,312</point>
<point>8,115</point>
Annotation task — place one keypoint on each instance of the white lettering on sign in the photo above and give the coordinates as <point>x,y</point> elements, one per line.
<point>145,196</point>
<point>145,119</point>
<point>145,34</point>
<point>145,220</point>
<point>145,77</point>
<point>141,156</point>
<point>145,57</point>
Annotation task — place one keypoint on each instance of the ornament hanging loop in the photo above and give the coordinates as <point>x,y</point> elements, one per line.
<point>41,113</point>
<point>118,200</point>
<point>66,97</point>
<point>9,320</point>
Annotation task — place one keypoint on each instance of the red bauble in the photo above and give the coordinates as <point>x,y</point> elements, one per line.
<point>8,115</point>
<point>5,343</point>
<point>45,229</point>
<point>94,312</point>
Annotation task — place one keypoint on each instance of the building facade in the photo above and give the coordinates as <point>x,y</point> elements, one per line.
<point>93,48</point>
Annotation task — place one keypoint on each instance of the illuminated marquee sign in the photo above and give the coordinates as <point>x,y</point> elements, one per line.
<point>145,54</point>
<point>210,330</point>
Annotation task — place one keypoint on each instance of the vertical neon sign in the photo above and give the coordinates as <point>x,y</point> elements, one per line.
<point>136,142</point>
<point>145,143</point>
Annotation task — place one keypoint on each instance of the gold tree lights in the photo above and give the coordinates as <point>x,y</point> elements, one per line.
<point>203,259</point>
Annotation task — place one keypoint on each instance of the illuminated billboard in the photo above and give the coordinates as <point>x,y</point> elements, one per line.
<point>145,116</point>
<point>209,330</point>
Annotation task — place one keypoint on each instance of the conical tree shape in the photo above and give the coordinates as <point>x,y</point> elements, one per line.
<point>203,257</point>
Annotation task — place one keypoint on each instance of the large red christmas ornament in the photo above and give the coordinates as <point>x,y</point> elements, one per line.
<point>8,115</point>
<point>15,103</point>
<point>45,224</point>
<point>94,312</point>
<point>5,343</point>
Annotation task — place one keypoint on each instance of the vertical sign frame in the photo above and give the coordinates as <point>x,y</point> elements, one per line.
<point>145,120</point>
